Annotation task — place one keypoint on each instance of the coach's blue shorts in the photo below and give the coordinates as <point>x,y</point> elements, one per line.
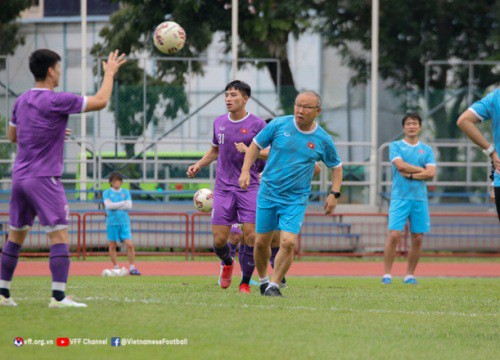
<point>119,233</point>
<point>416,211</point>
<point>275,216</point>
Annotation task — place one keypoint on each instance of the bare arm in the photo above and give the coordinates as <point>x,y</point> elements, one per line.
<point>404,167</point>
<point>467,123</point>
<point>251,155</point>
<point>101,98</point>
<point>206,160</point>
<point>242,148</point>
<point>428,174</point>
<point>13,134</point>
<point>331,201</point>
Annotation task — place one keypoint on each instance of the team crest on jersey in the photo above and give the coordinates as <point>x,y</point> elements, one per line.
<point>244,131</point>
<point>222,128</point>
<point>310,145</point>
<point>421,151</point>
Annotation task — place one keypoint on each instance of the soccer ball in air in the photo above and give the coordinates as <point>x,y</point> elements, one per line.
<point>169,37</point>
<point>203,200</point>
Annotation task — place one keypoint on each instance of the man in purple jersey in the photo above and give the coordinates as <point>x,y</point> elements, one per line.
<point>38,126</point>
<point>231,204</point>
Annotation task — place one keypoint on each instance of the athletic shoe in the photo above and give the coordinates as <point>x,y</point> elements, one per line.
<point>273,291</point>
<point>283,284</point>
<point>67,302</point>
<point>225,276</point>
<point>386,280</point>
<point>254,283</point>
<point>6,301</point>
<point>134,272</point>
<point>245,288</point>
<point>411,281</point>
<point>263,288</point>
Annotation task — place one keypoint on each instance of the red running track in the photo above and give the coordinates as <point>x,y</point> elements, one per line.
<point>299,268</point>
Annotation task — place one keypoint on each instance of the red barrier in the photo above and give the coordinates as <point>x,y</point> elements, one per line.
<point>156,233</point>
<point>38,240</point>
<point>201,234</point>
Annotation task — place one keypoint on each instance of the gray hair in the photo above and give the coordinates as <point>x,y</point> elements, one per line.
<point>311,92</point>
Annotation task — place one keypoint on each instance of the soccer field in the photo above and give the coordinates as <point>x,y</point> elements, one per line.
<point>320,318</point>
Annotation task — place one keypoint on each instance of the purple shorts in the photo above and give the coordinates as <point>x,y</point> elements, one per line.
<point>42,196</point>
<point>236,229</point>
<point>231,207</point>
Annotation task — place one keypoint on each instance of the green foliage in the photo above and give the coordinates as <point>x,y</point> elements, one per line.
<point>412,33</point>
<point>9,38</point>
<point>320,318</point>
<point>264,28</point>
<point>6,150</point>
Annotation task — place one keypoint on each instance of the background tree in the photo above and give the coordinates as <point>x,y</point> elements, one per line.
<point>413,32</point>
<point>264,30</point>
<point>9,38</point>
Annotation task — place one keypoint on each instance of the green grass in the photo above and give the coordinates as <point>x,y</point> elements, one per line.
<point>320,318</point>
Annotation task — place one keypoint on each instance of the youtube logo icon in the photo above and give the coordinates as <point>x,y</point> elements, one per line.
<point>62,341</point>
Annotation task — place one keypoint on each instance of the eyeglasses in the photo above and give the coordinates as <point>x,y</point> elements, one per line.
<point>305,107</point>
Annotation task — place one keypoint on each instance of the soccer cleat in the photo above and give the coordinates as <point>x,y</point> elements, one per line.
<point>67,302</point>
<point>225,276</point>
<point>283,284</point>
<point>6,301</point>
<point>254,283</point>
<point>263,288</point>
<point>273,291</point>
<point>411,281</point>
<point>134,272</point>
<point>245,288</point>
<point>386,280</point>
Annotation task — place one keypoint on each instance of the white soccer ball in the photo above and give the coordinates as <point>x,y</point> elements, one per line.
<point>169,37</point>
<point>106,273</point>
<point>203,200</point>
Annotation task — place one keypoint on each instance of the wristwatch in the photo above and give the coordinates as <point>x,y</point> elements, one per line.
<point>336,194</point>
<point>489,150</point>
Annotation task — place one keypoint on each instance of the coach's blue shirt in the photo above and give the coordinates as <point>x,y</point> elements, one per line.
<point>289,170</point>
<point>417,155</point>
<point>489,108</point>
<point>117,217</point>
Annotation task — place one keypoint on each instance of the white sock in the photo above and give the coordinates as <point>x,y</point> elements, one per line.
<point>271,284</point>
<point>132,267</point>
<point>408,277</point>
<point>387,276</point>
<point>264,280</point>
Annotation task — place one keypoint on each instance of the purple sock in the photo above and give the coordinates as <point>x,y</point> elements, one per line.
<point>223,254</point>
<point>274,251</point>
<point>10,256</point>
<point>247,264</point>
<point>59,262</point>
<point>232,251</point>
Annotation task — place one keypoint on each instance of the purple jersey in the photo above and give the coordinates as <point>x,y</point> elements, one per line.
<point>40,117</point>
<point>227,132</point>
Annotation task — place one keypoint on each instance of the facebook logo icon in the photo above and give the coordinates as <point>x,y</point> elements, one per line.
<point>115,341</point>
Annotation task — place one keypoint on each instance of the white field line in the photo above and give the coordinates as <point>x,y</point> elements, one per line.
<point>293,308</point>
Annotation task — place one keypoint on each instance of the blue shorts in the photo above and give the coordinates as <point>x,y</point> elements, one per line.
<point>416,211</point>
<point>119,233</point>
<point>276,216</point>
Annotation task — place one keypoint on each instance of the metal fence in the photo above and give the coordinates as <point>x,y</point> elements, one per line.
<point>343,234</point>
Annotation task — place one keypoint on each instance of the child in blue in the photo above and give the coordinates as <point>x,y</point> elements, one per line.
<point>118,202</point>
<point>412,164</point>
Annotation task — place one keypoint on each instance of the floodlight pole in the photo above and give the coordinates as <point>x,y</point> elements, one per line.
<point>83,150</point>
<point>234,38</point>
<point>374,102</point>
